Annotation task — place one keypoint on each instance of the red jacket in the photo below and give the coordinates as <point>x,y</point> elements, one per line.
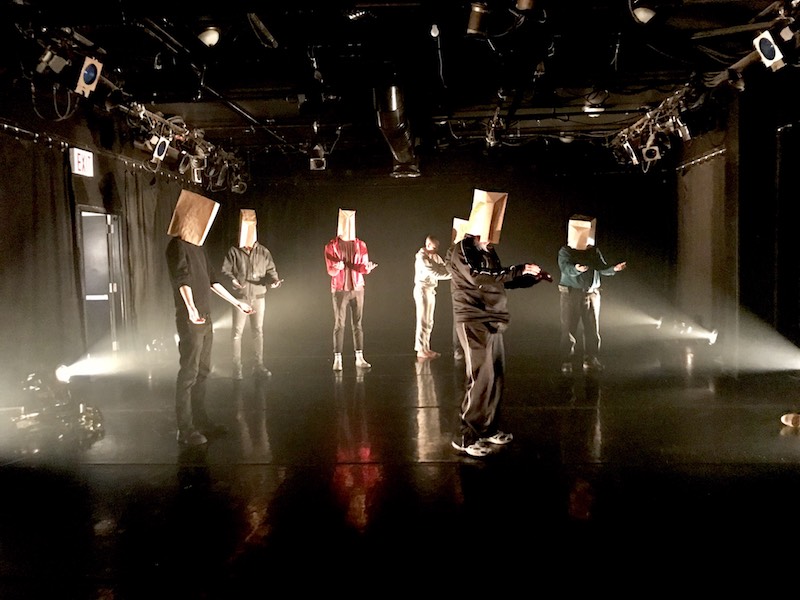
<point>352,276</point>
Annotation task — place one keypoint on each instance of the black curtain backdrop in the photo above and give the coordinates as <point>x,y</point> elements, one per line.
<point>39,285</point>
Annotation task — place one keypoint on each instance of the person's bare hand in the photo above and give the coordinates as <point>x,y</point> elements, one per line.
<point>582,268</point>
<point>245,308</point>
<point>532,269</point>
<point>620,266</point>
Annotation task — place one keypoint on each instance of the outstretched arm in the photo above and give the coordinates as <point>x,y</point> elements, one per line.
<point>220,290</point>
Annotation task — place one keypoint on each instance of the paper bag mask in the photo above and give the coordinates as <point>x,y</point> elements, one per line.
<point>581,232</point>
<point>346,228</point>
<point>192,218</point>
<point>248,233</point>
<point>459,230</point>
<point>486,218</point>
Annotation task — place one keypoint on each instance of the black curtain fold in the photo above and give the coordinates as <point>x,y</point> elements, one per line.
<point>39,283</point>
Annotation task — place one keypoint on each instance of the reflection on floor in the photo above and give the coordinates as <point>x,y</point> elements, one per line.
<point>645,467</point>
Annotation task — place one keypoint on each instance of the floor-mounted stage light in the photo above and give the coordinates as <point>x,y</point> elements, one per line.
<point>90,75</point>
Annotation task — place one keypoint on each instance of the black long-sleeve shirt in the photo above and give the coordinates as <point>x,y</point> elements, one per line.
<point>189,265</point>
<point>479,282</point>
<point>588,281</point>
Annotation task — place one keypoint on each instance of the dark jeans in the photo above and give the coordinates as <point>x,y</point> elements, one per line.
<point>341,301</point>
<point>579,307</point>
<point>194,347</point>
<point>485,368</point>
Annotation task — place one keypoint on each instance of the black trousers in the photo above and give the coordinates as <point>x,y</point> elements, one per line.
<point>484,355</point>
<point>354,300</point>
<point>579,307</point>
<point>194,347</point>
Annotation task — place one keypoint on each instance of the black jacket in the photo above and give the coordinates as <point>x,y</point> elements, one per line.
<point>479,282</point>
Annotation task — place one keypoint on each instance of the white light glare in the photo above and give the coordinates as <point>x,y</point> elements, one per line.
<point>63,374</point>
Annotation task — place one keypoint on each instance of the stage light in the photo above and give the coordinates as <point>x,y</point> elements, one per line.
<point>210,36</point>
<point>185,163</point>
<point>238,184</point>
<point>594,104</point>
<point>772,46</point>
<point>50,60</point>
<point>317,160</point>
<point>160,149</point>
<point>768,50</point>
<point>651,152</point>
<point>63,374</point>
<point>90,75</point>
<point>642,12</point>
<point>630,152</point>
<point>478,19</point>
<point>677,126</point>
<point>198,165</point>
<point>405,170</point>
<point>593,110</point>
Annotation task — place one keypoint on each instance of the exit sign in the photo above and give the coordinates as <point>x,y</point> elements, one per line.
<point>82,162</point>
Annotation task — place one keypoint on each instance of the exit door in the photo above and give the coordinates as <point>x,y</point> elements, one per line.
<point>103,302</point>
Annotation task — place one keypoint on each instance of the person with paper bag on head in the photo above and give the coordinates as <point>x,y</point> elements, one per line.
<point>581,264</point>
<point>251,269</point>
<point>347,261</point>
<point>429,270</point>
<point>480,309</point>
<point>193,279</point>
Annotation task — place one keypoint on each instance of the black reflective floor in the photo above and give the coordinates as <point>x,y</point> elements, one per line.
<point>651,470</point>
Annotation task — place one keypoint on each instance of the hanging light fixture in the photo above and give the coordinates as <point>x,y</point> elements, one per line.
<point>478,19</point>
<point>210,36</point>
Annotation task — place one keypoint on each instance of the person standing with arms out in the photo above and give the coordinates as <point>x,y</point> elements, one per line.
<point>193,279</point>
<point>251,270</point>
<point>347,261</point>
<point>478,287</point>
<point>581,264</point>
<point>429,269</point>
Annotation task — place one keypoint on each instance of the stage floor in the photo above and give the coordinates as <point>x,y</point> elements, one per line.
<point>329,480</point>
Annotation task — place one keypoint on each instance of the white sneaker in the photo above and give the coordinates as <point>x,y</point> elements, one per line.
<point>477,449</point>
<point>360,362</point>
<point>791,420</point>
<point>337,362</point>
<point>498,438</point>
